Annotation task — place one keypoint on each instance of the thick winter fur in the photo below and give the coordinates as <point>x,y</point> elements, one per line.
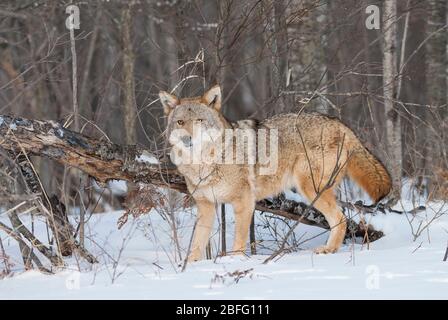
<point>314,154</point>
<point>369,173</point>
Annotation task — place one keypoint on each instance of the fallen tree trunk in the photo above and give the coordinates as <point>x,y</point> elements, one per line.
<point>105,161</point>
<point>100,159</point>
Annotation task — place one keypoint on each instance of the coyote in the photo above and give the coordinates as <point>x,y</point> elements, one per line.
<point>314,153</point>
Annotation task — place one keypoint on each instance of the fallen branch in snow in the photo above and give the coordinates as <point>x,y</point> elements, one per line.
<point>27,234</point>
<point>50,206</point>
<point>26,251</point>
<point>446,253</point>
<point>375,208</point>
<point>55,211</point>
<point>299,211</point>
<point>100,159</point>
<point>105,161</point>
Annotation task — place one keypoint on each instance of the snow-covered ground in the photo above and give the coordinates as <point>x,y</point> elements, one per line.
<point>141,261</point>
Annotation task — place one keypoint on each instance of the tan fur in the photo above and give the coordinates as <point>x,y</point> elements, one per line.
<point>314,153</point>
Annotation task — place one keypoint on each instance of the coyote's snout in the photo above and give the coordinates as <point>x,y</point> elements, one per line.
<point>312,152</point>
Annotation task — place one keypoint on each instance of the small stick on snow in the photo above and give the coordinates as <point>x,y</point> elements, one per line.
<point>446,253</point>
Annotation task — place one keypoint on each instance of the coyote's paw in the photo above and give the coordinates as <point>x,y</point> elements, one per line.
<point>325,249</point>
<point>193,257</point>
<point>240,252</point>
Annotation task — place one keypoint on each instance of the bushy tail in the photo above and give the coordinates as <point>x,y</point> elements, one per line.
<point>369,173</point>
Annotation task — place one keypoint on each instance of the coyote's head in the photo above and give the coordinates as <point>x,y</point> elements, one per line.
<point>193,121</point>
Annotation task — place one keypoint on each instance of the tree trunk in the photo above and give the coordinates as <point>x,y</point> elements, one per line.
<point>437,62</point>
<point>128,76</point>
<point>277,38</point>
<point>393,123</point>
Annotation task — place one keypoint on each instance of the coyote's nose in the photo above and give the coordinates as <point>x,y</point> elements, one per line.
<point>186,140</point>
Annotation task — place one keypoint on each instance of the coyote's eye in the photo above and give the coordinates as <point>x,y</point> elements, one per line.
<point>199,120</point>
<point>180,122</point>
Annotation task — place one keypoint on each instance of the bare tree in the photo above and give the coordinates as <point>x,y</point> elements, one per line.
<point>437,60</point>
<point>277,39</point>
<point>129,109</point>
<point>393,123</point>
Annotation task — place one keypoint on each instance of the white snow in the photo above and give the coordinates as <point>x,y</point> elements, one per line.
<point>60,132</point>
<point>147,158</point>
<point>139,262</point>
<point>117,187</point>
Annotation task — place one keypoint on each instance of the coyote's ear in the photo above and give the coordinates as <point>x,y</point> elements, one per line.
<point>213,97</point>
<point>169,101</point>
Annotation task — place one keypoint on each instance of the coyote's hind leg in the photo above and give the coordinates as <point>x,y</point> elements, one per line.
<point>326,203</point>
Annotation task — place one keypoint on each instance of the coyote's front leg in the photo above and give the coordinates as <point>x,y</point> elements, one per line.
<point>204,224</point>
<point>244,210</point>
